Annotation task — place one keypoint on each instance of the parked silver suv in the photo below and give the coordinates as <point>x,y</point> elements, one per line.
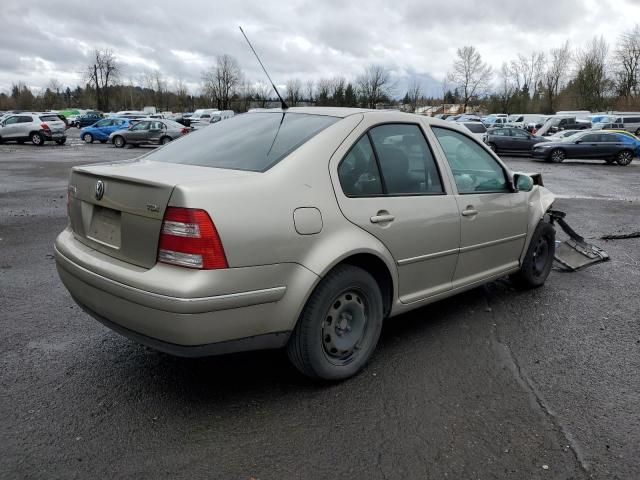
<point>34,127</point>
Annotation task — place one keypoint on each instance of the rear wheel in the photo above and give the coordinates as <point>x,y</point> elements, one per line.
<point>339,327</point>
<point>61,141</point>
<point>538,260</point>
<point>88,138</point>
<point>557,155</point>
<point>119,141</point>
<point>624,158</point>
<point>37,139</point>
<point>165,140</point>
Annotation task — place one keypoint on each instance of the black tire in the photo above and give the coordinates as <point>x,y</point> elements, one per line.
<point>538,261</point>
<point>624,157</point>
<point>165,140</point>
<point>61,141</point>
<point>339,326</point>
<point>557,155</point>
<point>37,139</point>
<point>119,141</point>
<point>493,147</point>
<point>87,137</point>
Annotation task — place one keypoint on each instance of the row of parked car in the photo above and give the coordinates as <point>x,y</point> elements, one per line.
<point>609,137</point>
<point>122,128</point>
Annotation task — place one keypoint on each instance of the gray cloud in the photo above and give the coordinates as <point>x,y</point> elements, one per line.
<point>303,38</point>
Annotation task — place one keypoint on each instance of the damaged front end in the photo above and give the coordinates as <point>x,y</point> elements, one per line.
<point>574,253</point>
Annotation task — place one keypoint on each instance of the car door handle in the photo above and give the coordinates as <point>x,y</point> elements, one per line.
<point>384,218</point>
<point>469,212</point>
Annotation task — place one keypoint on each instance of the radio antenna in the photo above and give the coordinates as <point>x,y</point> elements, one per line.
<point>282,102</point>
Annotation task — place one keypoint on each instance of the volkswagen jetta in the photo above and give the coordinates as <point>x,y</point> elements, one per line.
<point>302,228</point>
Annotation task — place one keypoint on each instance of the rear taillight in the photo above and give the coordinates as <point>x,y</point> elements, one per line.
<point>189,239</point>
<point>45,127</point>
<point>184,131</point>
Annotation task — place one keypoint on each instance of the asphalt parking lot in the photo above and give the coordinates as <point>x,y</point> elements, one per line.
<point>493,383</point>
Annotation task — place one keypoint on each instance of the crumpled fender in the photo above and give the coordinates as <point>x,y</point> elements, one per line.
<point>540,200</point>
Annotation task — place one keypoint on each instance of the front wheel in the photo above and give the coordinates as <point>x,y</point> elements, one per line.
<point>88,138</point>
<point>538,260</point>
<point>119,141</point>
<point>624,158</point>
<point>339,327</point>
<point>557,155</point>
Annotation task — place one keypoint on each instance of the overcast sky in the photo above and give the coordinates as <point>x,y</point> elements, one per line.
<point>44,40</point>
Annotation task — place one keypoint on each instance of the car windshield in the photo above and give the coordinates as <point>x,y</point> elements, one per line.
<point>253,141</point>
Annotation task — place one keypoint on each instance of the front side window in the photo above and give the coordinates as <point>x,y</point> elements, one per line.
<point>405,160</point>
<point>474,169</point>
<point>501,132</point>
<point>103,123</point>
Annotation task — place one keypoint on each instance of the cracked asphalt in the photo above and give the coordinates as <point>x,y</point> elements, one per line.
<point>493,383</point>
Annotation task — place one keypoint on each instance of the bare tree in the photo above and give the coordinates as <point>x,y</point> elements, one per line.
<point>182,94</point>
<point>102,73</point>
<point>470,74</point>
<point>374,85</point>
<point>309,88</point>
<point>323,92</point>
<point>221,81</point>
<point>507,88</point>
<point>262,93</point>
<point>555,73</point>
<point>414,93</point>
<point>293,91</point>
<point>627,60</point>
<point>338,86</point>
<point>592,82</point>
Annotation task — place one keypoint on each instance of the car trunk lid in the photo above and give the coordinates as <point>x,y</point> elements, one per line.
<point>118,208</point>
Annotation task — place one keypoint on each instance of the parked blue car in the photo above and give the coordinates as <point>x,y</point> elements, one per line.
<point>103,128</point>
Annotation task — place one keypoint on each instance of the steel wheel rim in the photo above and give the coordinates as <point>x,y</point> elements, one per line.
<point>36,139</point>
<point>119,142</point>
<point>165,141</point>
<point>88,138</point>
<point>344,327</point>
<point>540,256</point>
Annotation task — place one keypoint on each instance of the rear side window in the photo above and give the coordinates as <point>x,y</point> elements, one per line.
<point>252,141</point>
<point>50,118</point>
<point>25,119</point>
<point>405,160</point>
<point>358,172</point>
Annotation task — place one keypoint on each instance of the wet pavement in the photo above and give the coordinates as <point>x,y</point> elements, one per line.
<point>493,383</point>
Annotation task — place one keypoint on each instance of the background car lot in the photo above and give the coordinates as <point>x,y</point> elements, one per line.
<point>493,383</point>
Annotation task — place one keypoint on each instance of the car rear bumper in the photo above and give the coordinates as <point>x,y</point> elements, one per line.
<point>164,307</point>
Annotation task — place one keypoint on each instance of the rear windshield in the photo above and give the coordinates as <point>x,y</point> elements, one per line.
<point>252,141</point>
<point>476,127</point>
<point>50,118</point>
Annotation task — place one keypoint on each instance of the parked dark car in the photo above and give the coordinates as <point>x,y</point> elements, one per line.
<point>511,140</point>
<point>149,132</point>
<point>610,147</point>
<point>87,119</point>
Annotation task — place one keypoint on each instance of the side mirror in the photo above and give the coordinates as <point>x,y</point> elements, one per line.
<point>522,182</point>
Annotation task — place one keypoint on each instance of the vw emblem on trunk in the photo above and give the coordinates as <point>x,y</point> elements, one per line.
<point>99,189</point>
